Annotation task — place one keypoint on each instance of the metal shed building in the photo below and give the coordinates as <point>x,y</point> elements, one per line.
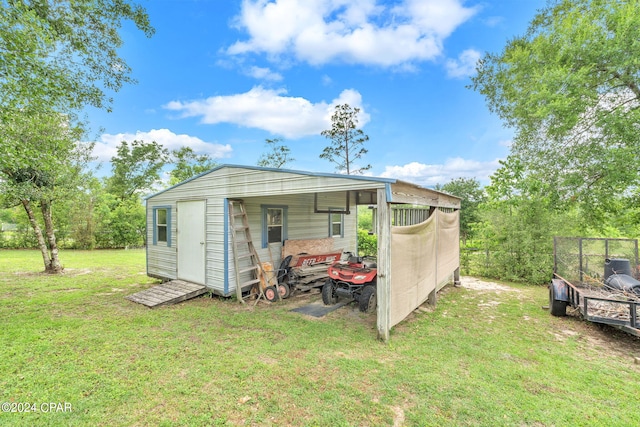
<point>189,235</point>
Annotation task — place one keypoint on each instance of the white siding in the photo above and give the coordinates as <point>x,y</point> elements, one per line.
<point>256,188</point>
<point>161,258</point>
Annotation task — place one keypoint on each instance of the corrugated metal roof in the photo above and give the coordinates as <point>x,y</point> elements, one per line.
<point>297,172</point>
<point>307,173</point>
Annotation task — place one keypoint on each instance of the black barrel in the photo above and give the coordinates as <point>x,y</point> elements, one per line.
<point>622,282</point>
<point>616,266</point>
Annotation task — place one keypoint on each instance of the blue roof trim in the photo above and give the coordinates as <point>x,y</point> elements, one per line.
<point>297,172</point>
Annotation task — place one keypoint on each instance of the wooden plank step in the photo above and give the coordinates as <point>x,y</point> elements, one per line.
<point>250,282</point>
<point>168,293</point>
<point>252,268</point>
<point>312,269</point>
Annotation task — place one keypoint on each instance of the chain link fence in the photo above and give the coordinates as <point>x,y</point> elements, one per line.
<point>581,260</point>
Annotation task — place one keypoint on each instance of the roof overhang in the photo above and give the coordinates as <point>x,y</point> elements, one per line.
<point>397,192</point>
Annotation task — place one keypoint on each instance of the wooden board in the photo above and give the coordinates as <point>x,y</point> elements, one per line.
<point>168,293</point>
<point>306,246</point>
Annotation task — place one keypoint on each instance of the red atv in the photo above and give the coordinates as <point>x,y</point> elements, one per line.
<point>354,279</point>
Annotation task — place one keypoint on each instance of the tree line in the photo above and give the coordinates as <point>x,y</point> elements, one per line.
<point>56,59</point>
<point>569,88</point>
<point>109,212</point>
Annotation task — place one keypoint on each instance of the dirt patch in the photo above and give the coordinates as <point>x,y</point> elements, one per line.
<point>482,285</point>
<point>605,339</point>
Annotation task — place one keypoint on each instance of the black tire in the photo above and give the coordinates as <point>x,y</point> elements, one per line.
<point>271,294</point>
<point>557,308</point>
<point>368,299</point>
<point>284,290</point>
<point>328,295</point>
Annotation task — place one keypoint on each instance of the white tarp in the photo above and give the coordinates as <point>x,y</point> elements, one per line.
<point>422,257</point>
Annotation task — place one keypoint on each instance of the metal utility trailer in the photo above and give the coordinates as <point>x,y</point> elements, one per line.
<point>563,293</point>
<point>592,300</point>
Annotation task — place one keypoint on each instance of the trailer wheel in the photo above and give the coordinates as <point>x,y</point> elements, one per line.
<point>368,299</point>
<point>328,293</point>
<point>284,290</point>
<point>271,294</point>
<point>557,308</point>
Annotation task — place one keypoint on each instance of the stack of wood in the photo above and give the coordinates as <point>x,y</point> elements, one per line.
<point>608,309</point>
<point>311,260</point>
<point>311,276</point>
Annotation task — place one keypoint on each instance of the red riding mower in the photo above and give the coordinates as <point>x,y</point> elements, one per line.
<point>354,279</point>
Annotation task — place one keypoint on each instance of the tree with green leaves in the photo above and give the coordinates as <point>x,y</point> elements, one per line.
<point>347,140</point>
<point>56,57</point>
<point>516,225</point>
<point>188,164</point>
<point>472,195</point>
<point>36,183</point>
<point>136,169</point>
<point>63,55</point>
<point>570,88</point>
<point>277,156</point>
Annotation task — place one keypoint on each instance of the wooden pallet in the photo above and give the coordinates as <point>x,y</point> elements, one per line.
<point>168,293</point>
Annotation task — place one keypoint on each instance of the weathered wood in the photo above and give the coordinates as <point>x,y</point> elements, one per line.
<point>407,193</point>
<point>384,267</point>
<point>306,246</point>
<point>305,271</point>
<point>243,248</point>
<point>310,274</point>
<point>167,293</point>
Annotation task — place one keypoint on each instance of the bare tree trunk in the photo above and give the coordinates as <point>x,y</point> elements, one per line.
<point>54,266</point>
<point>41,242</point>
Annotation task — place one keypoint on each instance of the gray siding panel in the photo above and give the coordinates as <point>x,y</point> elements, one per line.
<point>215,276</point>
<point>161,259</point>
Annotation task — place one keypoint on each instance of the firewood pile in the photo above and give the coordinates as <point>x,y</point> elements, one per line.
<point>608,309</point>
<point>313,273</point>
<point>311,260</point>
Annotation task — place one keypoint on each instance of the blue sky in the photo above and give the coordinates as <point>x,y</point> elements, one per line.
<point>223,76</point>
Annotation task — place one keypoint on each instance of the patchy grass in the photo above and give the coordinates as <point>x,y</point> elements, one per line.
<point>485,356</point>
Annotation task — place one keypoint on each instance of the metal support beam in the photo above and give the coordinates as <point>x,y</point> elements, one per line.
<point>346,211</point>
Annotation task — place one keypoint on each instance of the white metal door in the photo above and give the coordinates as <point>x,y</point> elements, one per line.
<point>191,241</point>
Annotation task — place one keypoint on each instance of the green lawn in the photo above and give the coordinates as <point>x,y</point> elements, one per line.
<point>481,358</point>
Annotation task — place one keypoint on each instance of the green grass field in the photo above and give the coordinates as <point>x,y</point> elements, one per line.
<point>480,358</point>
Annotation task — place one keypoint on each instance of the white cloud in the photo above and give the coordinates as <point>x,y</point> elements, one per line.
<point>106,148</point>
<point>430,175</point>
<point>271,110</point>
<point>352,31</point>
<point>465,65</point>
<point>262,73</point>
<point>493,21</point>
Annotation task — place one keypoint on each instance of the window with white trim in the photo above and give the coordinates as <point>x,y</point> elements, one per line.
<point>274,224</point>
<point>336,224</point>
<point>162,225</point>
